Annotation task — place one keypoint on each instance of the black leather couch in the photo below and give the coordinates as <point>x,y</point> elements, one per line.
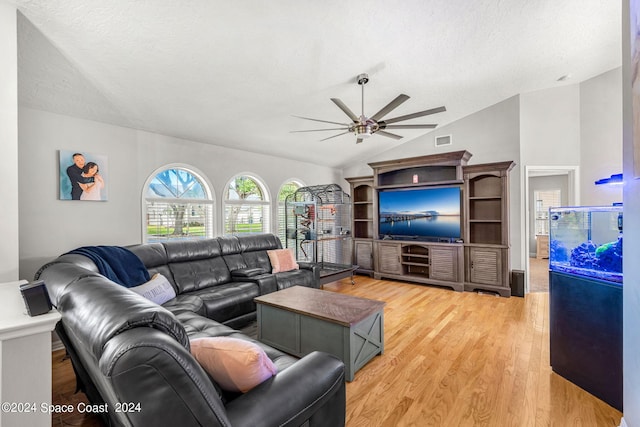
<point>125,348</point>
<point>219,278</point>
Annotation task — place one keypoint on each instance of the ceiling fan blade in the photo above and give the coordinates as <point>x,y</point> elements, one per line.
<point>414,115</point>
<point>388,134</point>
<point>390,107</point>
<point>321,121</point>
<point>316,130</point>
<point>346,110</point>
<point>343,133</point>
<point>359,140</point>
<point>385,126</point>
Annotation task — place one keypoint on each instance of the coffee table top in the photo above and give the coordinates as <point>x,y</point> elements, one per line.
<point>345,310</point>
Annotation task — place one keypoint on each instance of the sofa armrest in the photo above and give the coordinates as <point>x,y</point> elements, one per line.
<point>314,268</point>
<point>266,282</point>
<point>311,389</point>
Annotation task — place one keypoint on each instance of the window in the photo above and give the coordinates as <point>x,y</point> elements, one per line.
<point>177,205</point>
<point>544,200</point>
<point>246,206</point>
<point>287,188</point>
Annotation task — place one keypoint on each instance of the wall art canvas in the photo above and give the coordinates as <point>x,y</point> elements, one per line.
<point>83,176</point>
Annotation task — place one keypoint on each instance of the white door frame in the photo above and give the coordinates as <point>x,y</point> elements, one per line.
<point>573,198</point>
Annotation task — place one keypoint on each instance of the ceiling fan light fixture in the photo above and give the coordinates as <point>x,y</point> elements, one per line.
<point>363,127</point>
<point>364,131</point>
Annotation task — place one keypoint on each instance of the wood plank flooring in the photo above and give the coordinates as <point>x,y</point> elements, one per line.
<point>451,359</point>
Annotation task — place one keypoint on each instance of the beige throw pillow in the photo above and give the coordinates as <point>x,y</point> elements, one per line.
<point>235,364</point>
<point>282,260</point>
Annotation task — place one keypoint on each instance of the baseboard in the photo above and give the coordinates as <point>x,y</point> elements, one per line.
<point>56,344</point>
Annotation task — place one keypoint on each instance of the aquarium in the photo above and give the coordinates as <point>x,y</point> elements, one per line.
<point>587,241</point>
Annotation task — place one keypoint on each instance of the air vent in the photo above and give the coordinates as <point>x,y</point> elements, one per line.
<point>443,140</point>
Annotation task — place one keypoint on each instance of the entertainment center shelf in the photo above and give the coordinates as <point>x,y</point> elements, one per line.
<point>430,263</point>
<point>424,242</point>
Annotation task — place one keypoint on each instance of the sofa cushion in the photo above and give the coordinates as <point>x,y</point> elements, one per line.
<point>254,249</point>
<point>193,275</point>
<point>282,260</point>
<point>248,272</point>
<point>158,289</point>
<point>286,279</point>
<point>235,364</point>
<point>154,257</point>
<point>228,301</point>
<point>185,302</point>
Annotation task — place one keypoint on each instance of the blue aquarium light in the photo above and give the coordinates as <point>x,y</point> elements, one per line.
<point>615,179</point>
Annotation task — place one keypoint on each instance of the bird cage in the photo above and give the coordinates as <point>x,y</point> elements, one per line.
<point>318,221</point>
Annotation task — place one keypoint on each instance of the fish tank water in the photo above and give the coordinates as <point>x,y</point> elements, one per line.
<point>587,241</point>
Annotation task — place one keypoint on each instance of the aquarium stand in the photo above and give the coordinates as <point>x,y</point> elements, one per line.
<point>586,334</point>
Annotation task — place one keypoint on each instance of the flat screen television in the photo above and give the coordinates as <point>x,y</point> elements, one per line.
<point>428,214</point>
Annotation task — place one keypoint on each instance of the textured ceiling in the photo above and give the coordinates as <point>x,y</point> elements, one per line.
<point>234,73</point>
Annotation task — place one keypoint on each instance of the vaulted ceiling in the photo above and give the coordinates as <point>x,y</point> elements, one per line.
<point>234,73</point>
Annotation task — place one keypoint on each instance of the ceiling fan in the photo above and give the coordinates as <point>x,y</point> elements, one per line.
<point>363,126</point>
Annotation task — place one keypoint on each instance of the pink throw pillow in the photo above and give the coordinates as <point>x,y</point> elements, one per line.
<point>282,260</point>
<point>235,364</point>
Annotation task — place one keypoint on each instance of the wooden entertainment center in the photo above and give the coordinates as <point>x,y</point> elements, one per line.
<point>479,260</point>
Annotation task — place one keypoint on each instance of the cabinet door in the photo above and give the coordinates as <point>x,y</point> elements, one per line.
<point>444,264</point>
<point>364,254</point>
<point>389,258</point>
<point>485,266</point>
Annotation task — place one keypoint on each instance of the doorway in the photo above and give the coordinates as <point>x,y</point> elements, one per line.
<point>541,179</point>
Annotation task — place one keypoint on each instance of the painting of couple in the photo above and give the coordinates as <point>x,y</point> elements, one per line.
<point>82,176</point>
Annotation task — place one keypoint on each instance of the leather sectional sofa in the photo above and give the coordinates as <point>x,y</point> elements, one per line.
<point>128,349</point>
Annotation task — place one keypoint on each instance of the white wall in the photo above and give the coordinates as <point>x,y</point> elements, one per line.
<point>490,135</point>
<point>550,127</point>
<point>8,143</point>
<point>49,226</point>
<point>631,266</point>
<point>601,137</point>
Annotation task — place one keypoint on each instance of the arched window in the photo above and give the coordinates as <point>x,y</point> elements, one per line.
<point>287,188</point>
<point>177,205</point>
<point>246,206</point>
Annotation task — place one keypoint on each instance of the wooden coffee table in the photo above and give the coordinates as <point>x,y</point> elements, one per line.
<point>299,320</point>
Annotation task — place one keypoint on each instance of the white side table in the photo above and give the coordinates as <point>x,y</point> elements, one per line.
<point>25,361</point>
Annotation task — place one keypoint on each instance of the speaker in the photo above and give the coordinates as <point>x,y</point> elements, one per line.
<point>36,298</point>
<point>517,283</point>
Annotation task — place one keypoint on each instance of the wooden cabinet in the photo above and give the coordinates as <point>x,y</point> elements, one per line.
<point>389,260</point>
<point>485,265</point>
<point>429,263</point>
<point>487,227</point>
<point>445,264</point>
<point>481,262</point>
<point>363,226</point>
<point>363,255</point>
<point>542,246</point>
<point>431,170</point>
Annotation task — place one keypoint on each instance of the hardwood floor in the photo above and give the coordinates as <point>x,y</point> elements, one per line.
<point>538,275</point>
<point>451,359</point>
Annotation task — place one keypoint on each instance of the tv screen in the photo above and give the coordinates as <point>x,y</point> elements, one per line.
<point>420,213</point>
